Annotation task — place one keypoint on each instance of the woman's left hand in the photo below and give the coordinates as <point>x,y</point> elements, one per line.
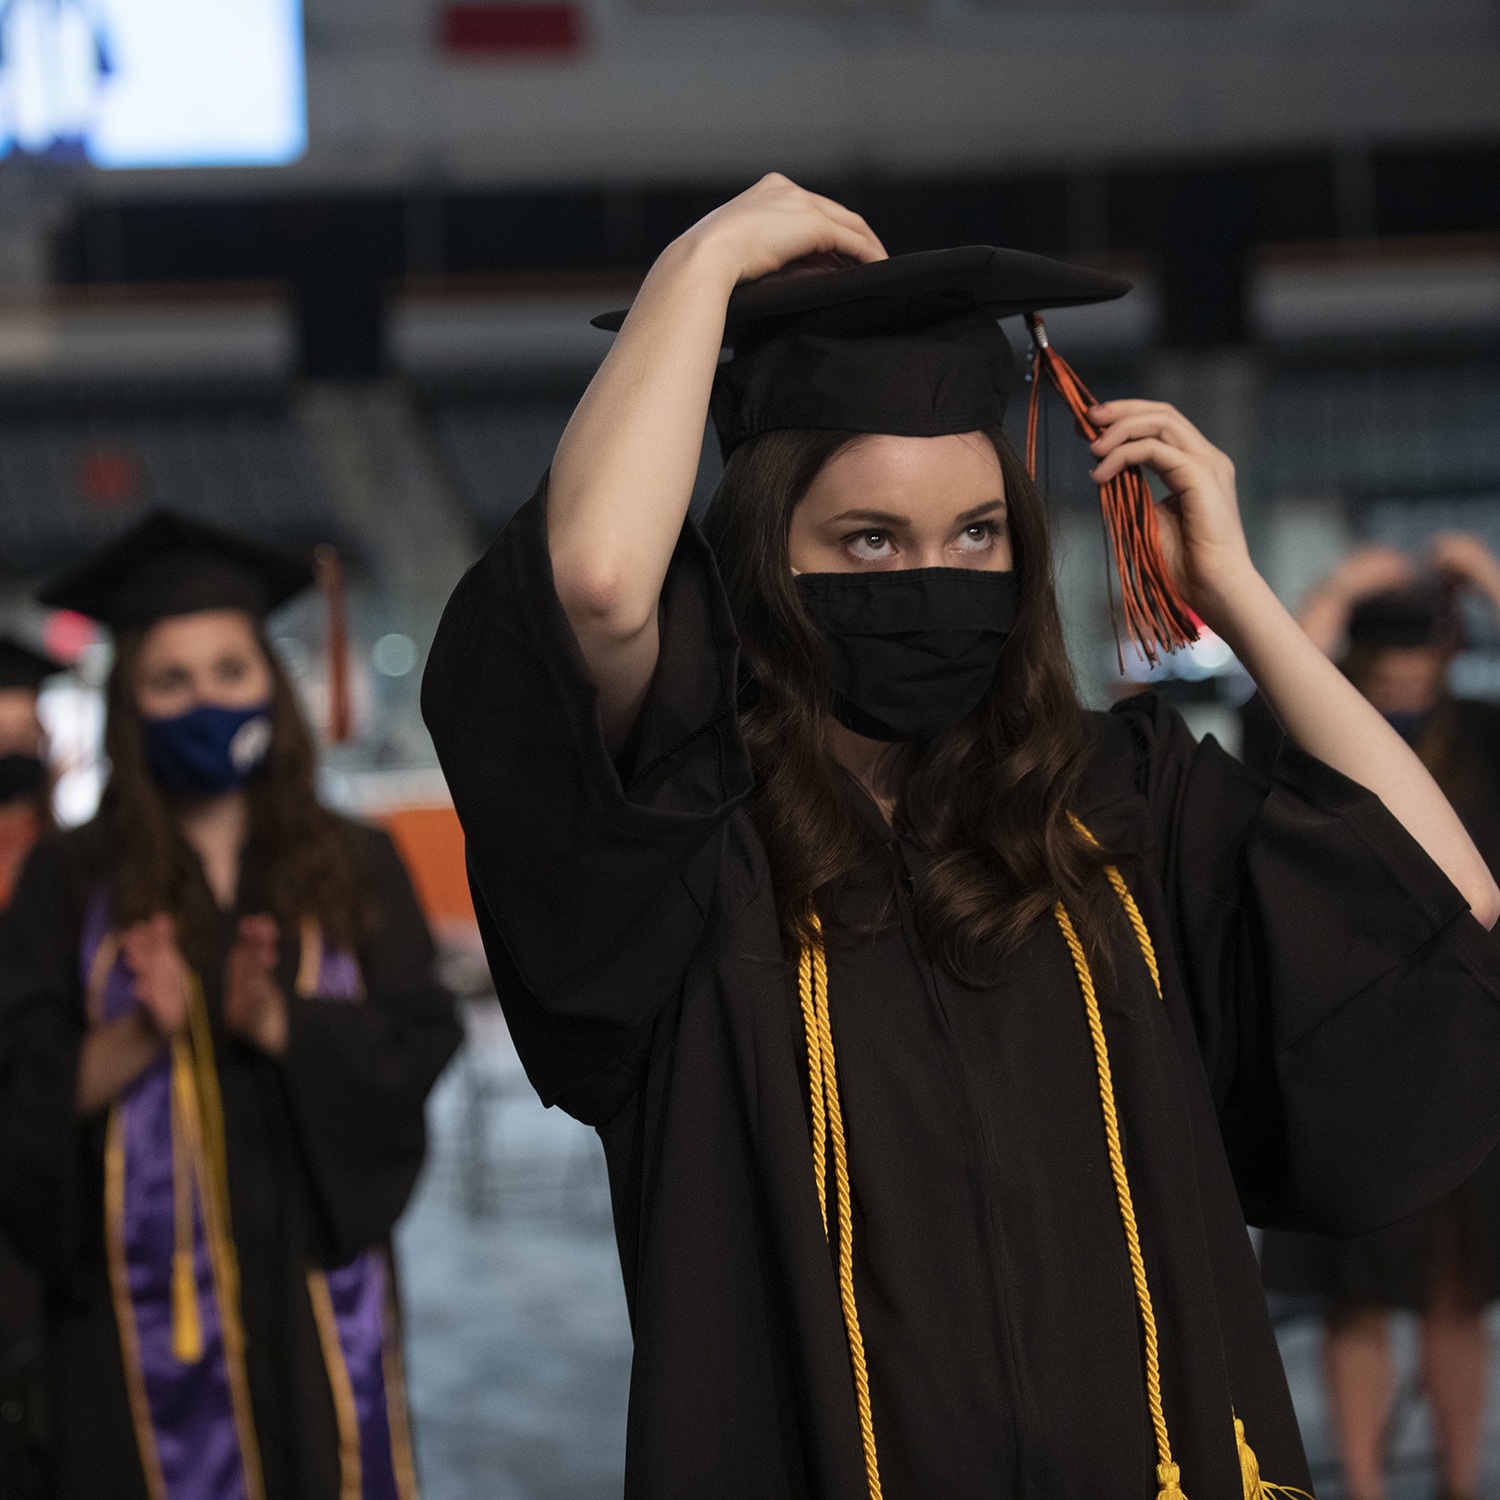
<point>1201,535</point>
<point>254,1006</point>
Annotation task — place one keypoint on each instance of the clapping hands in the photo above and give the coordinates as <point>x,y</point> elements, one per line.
<point>253,1003</point>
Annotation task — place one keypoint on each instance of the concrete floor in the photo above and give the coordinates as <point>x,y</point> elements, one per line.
<point>518,1347</point>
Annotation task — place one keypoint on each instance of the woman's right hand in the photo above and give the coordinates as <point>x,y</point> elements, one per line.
<point>160,972</point>
<point>776,223</point>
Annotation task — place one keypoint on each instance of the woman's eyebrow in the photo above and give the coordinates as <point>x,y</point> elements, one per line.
<point>877,517</point>
<point>978,511</point>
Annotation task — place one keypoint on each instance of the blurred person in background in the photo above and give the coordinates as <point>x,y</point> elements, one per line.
<point>219,1028</point>
<point>25,785</point>
<point>25,815</point>
<point>1394,625</point>
<point>928,1020</point>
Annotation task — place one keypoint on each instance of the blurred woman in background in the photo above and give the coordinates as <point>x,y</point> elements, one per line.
<point>1398,628</point>
<point>220,1031</point>
<point>25,815</point>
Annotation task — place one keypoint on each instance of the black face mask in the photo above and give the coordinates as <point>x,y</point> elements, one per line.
<point>912,651</point>
<point>20,776</point>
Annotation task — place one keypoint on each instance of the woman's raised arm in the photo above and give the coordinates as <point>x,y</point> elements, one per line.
<point>624,470</point>
<point>1318,706</point>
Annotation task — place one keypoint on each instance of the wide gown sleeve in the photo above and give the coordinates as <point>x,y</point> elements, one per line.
<point>591,881</point>
<point>1346,1002</point>
<point>50,1182</point>
<point>359,1073</point>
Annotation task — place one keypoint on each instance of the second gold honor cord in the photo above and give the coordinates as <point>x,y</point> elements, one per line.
<point>827,1122</point>
<point>823,1080</point>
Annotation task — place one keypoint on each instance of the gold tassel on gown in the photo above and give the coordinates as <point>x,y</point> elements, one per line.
<point>187,1330</point>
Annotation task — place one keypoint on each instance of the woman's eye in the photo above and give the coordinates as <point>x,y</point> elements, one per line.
<point>975,538</point>
<point>231,668</point>
<point>171,680</point>
<point>873,546</point>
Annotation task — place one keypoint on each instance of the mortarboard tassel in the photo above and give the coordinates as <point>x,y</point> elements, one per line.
<point>1156,616</point>
<point>330,572</point>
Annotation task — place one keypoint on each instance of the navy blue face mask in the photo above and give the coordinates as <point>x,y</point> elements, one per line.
<point>208,750</point>
<point>912,651</point>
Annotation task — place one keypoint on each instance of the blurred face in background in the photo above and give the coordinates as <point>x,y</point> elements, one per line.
<point>211,656</point>
<point>20,729</point>
<point>1406,679</point>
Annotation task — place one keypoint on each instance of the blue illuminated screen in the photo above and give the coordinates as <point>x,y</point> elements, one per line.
<point>153,83</point>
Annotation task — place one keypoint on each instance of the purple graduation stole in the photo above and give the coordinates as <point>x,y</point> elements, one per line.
<point>175,1278</point>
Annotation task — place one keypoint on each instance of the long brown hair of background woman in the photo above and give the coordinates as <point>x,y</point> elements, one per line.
<point>308,866</point>
<point>989,800</point>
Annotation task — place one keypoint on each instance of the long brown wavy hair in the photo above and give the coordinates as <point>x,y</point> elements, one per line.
<point>989,801</point>
<point>303,849</point>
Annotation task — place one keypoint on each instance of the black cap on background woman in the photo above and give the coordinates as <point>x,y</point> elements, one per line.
<point>939,1033</point>
<point>221,1030</point>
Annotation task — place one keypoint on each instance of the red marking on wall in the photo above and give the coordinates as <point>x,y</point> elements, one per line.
<point>512,30</point>
<point>109,476</point>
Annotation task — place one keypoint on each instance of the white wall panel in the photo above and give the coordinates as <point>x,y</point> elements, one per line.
<point>957,87</point>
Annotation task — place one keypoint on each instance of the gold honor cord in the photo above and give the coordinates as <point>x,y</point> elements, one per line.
<point>395,1389</point>
<point>198,1162</point>
<point>207,1151</point>
<point>119,1286</point>
<point>346,1414</point>
<point>812,977</point>
<point>823,1073</point>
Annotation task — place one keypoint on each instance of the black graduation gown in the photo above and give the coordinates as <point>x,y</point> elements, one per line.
<point>1395,1266</point>
<point>23,1407</point>
<point>323,1147</point>
<point>1318,970</point>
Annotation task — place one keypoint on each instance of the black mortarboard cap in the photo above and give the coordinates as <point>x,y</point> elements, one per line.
<point>1422,615</point>
<point>171,564</point>
<point>908,345</point>
<point>23,667</point>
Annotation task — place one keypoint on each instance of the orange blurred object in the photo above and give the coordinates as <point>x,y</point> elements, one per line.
<point>431,843</point>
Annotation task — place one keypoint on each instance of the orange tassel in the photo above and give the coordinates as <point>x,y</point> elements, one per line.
<point>330,573</point>
<point>1156,616</point>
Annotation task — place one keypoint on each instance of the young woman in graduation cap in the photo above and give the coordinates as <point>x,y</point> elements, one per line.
<point>941,1035</point>
<point>221,1025</point>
